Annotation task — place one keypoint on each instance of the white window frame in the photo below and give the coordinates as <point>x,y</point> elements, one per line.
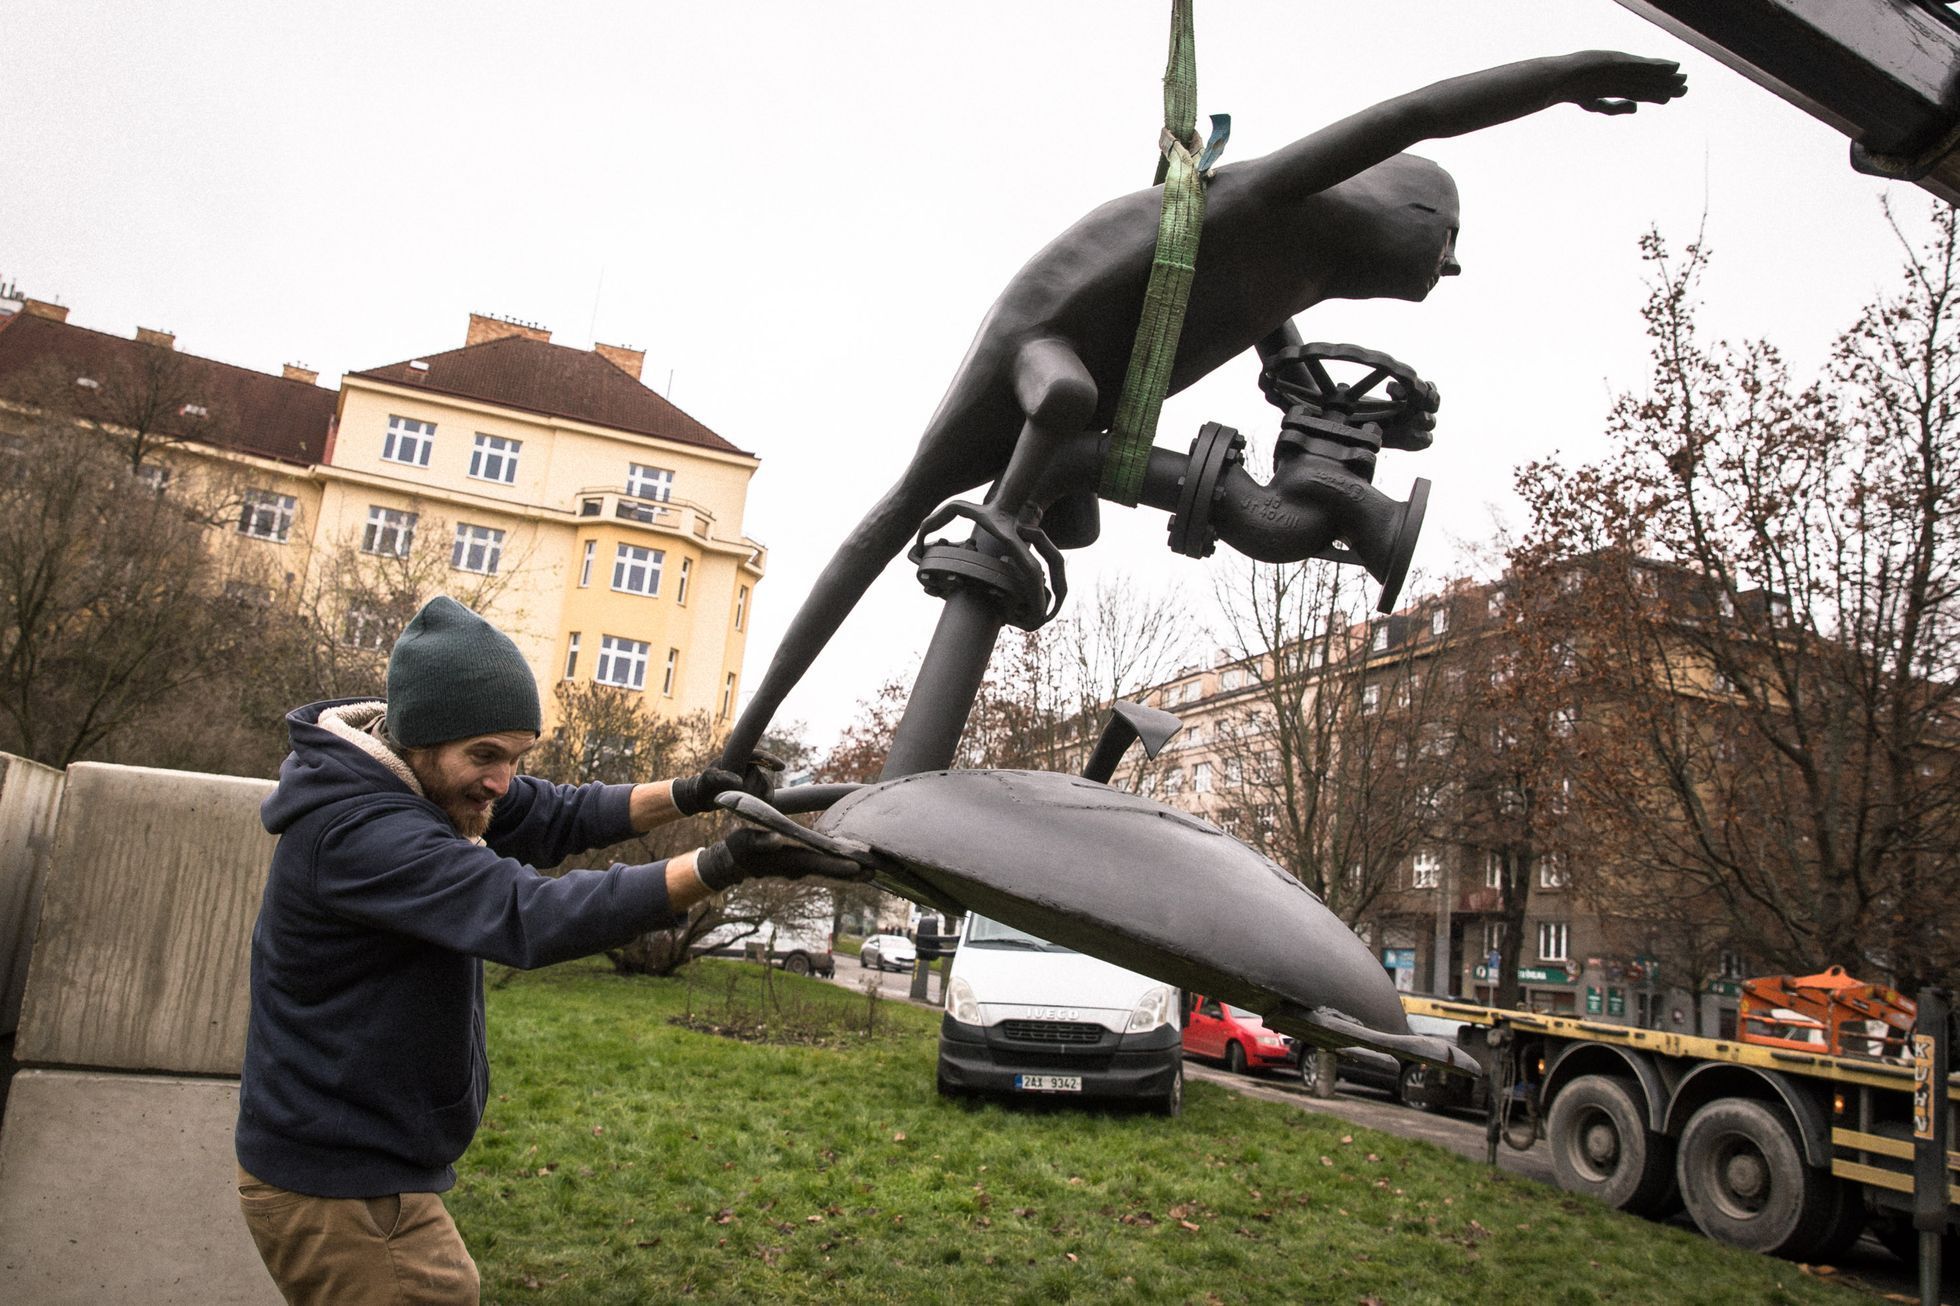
<point>645,481</point>
<point>741,606</point>
<point>1551,871</point>
<point>409,440</point>
<point>727,696</point>
<point>478,548</point>
<point>364,628</point>
<point>390,532</point>
<point>673,668</point>
<point>154,477</point>
<point>1371,697</point>
<point>1493,871</point>
<point>1554,941</point>
<point>1425,869</point>
<point>1379,641</point>
<point>585,567</point>
<point>1439,621</point>
<point>622,662</point>
<point>267,515</point>
<point>571,656</point>
<point>1494,932</point>
<point>1201,778</point>
<point>680,582</point>
<point>636,570</point>
<point>494,458</point>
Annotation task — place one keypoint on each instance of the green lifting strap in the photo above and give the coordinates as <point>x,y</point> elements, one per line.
<point>1181,169</point>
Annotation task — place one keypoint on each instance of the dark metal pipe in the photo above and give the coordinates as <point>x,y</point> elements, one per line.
<point>949,680</point>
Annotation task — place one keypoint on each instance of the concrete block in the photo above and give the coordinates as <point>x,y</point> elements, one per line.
<point>142,961</point>
<point>30,795</point>
<point>122,1188</point>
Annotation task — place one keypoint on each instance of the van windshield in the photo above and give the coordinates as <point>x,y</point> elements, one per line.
<point>986,933</point>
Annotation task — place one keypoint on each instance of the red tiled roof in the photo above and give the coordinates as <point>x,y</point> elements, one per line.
<point>252,412</point>
<point>553,380</point>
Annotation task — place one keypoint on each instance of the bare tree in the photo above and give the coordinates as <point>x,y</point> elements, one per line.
<point>1785,677</point>
<point>1321,740</point>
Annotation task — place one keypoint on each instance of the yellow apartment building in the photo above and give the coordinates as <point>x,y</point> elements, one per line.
<point>611,521</point>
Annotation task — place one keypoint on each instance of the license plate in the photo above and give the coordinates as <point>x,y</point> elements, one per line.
<point>1048,1083</point>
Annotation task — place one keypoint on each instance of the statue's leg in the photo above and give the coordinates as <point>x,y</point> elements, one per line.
<point>1057,397</point>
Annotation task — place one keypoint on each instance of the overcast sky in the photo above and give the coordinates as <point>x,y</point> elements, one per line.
<point>801,211</point>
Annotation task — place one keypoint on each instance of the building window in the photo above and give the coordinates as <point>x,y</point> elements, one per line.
<point>477,548</point>
<point>571,656</point>
<point>637,570</point>
<point>1493,937</point>
<point>1380,641</point>
<point>1497,598</point>
<point>152,477</point>
<point>1427,870</point>
<point>1231,678</point>
<point>643,482</point>
<point>365,628</point>
<point>1439,621</point>
<point>495,458</point>
<point>1493,871</point>
<point>1371,697</point>
<point>727,695</point>
<point>741,606</point>
<point>1553,941</point>
<point>1201,778</point>
<point>1730,965</point>
<point>680,582</point>
<point>389,530</point>
<point>585,567</point>
<point>1551,871</point>
<point>673,666</point>
<point>409,441</point>
<point>622,662</point>
<point>267,516</point>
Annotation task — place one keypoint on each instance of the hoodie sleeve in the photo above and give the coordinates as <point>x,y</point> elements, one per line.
<point>402,869</point>
<point>542,824</point>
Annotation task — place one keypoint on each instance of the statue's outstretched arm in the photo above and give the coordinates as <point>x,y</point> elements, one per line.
<point>1600,81</point>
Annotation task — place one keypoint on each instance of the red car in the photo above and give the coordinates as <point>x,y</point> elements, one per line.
<point>1237,1037</point>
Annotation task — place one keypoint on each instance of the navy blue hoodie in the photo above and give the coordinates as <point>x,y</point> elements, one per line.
<point>365,1072</point>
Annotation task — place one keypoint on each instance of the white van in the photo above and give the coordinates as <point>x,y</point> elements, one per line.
<point>1024,1015</point>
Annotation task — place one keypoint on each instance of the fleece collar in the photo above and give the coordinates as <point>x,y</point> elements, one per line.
<point>354,723</point>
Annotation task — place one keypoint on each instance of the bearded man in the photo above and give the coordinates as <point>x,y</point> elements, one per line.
<point>407,842</point>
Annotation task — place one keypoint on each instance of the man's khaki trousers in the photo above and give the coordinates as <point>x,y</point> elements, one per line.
<point>360,1251</point>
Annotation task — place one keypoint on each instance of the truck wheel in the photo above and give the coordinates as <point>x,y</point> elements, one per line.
<point>1601,1146</point>
<point>1745,1181</point>
<point>797,963</point>
<point>1235,1058</point>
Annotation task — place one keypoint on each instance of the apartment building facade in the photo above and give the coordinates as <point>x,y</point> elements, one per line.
<point>598,524</point>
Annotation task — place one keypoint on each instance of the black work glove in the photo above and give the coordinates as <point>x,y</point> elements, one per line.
<point>694,794</point>
<point>748,853</point>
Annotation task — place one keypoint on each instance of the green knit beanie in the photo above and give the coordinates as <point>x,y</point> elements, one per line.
<point>453,675</point>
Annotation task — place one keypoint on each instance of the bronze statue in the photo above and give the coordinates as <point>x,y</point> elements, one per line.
<point>1339,214</point>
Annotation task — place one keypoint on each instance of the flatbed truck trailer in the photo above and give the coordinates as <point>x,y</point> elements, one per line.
<point>1773,1149</point>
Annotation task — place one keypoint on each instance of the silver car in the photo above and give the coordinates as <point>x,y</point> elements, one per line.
<point>887,952</point>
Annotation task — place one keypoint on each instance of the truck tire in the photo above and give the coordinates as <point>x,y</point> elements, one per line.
<point>1744,1178</point>
<point>1601,1146</point>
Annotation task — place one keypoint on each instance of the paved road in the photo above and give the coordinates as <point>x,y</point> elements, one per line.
<point>1867,1266</point>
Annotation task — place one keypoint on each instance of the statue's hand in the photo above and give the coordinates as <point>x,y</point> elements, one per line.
<point>1606,81</point>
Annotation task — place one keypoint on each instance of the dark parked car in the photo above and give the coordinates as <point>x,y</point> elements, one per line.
<point>1409,1082</point>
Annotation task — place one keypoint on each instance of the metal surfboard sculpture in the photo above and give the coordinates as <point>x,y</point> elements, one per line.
<point>1129,880</point>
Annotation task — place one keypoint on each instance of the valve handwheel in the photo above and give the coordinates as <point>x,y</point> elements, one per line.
<point>1405,409</point>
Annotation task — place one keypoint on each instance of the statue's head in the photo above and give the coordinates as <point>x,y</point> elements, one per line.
<point>1407,206</point>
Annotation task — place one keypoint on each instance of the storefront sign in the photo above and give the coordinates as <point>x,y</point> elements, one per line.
<point>1592,1001</point>
<point>1616,1001</point>
<point>1529,975</point>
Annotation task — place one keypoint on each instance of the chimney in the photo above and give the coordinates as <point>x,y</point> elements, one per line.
<point>484,328</point>
<point>42,308</point>
<point>161,339</point>
<point>626,360</point>
<point>299,372</point>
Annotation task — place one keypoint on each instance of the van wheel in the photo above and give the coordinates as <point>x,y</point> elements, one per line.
<point>1235,1058</point>
<point>1171,1104</point>
<point>797,963</point>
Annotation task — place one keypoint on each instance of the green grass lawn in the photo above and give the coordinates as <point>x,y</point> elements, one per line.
<point>626,1158</point>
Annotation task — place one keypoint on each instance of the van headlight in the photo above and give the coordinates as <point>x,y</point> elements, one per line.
<point>960,1004</point>
<point>1158,1007</point>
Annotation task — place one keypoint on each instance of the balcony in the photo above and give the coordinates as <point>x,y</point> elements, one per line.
<point>671,516</point>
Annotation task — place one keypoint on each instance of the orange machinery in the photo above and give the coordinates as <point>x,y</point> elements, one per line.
<point>1829,1009</point>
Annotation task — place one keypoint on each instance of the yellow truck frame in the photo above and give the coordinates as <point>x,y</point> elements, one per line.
<point>1787,1152</point>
